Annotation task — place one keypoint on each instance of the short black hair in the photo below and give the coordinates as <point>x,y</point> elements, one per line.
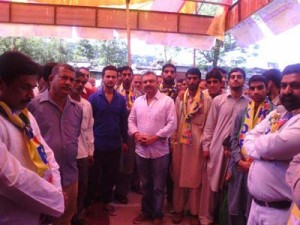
<point>14,64</point>
<point>214,73</point>
<point>273,75</point>
<point>126,68</point>
<point>109,67</point>
<point>79,74</point>
<point>221,70</point>
<point>193,71</point>
<point>168,65</point>
<point>293,68</point>
<point>55,69</point>
<point>47,70</point>
<point>237,69</point>
<point>149,72</point>
<point>258,78</point>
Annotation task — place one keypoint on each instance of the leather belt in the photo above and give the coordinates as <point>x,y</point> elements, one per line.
<point>276,205</point>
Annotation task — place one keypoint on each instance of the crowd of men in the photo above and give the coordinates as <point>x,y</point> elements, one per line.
<point>218,155</point>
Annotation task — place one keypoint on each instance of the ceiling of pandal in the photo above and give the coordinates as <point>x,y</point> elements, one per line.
<point>186,23</point>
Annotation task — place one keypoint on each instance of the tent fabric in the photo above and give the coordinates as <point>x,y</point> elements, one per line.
<point>161,19</point>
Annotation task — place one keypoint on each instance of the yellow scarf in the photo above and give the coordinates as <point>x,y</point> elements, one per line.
<point>277,121</point>
<point>294,215</point>
<point>130,96</point>
<point>197,102</point>
<point>35,148</point>
<point>171,92</point>
<point>250,120</point>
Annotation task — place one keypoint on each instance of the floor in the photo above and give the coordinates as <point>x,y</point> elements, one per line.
<point>96,216</point>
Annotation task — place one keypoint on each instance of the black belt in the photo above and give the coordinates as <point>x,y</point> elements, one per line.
<point>276,205</point>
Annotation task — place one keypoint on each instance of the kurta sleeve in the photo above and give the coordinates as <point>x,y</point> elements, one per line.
<point>293,178</point>
<point>27,188</point>
<point>210,125</point>
<point>281,145</point>
<point>235,147</point>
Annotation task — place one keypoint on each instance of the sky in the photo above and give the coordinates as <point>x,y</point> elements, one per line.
<point>282,49</point>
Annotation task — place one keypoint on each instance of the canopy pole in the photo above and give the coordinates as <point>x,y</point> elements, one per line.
<point>128,33</point>
<point>194,57</point>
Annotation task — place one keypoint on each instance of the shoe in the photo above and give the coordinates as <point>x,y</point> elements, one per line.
<point>157,221</point>
<point>121,199</point>
<point>141,218</point>
<point>177,218</point>
<point>110,209</point>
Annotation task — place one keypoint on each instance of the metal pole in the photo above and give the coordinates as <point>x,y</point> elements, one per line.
<point>128,32</point>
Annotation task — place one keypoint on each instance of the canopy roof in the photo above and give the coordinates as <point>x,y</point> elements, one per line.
<point>186,23</point>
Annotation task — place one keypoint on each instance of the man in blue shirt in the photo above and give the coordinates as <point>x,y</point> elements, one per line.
<point>110,131</point>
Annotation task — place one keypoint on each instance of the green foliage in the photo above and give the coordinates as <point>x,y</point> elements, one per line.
<point>113,52</point>
<point>226,54</point>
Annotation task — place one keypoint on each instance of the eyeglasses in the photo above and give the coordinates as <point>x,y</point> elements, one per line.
<point>169,71</point>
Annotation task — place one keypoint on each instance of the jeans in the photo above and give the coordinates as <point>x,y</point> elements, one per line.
<point>153,173</point>
<point>103,175</point>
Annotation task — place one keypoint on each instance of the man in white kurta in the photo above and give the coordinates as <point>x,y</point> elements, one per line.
<point>272,144</point>
<point>29,177</point>
<point>218,126</point>
<point>187,158</point>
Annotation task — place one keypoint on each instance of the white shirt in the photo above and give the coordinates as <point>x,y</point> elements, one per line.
<point>158,118</point>
<point>86,137</point>
<point>24,195</point>
<point>266,179</point>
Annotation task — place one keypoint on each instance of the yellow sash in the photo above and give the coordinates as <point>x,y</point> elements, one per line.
<point>35,148</point>
<point>130,96</point>
<point>294,218</point>
<point>197,103</point>
<point>250,120</point>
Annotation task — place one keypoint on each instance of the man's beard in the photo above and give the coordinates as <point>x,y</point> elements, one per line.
<point>169,82</point>
<point>290,102</point>
<point>126,84</point>
<point>193,87</point>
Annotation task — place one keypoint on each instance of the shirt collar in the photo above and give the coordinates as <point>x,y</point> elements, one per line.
<point>158,95</point>
<point>243,96</point>
<point>45,96</point>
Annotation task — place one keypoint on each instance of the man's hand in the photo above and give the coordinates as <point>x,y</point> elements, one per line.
<point>125,147</point>
<point>149,139</point>
<point>90,160</point>
<point>206,155</point>
<point>227,152</point>
<point>137,137</point>
<point>228,177</point>
<point>244,166</point>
